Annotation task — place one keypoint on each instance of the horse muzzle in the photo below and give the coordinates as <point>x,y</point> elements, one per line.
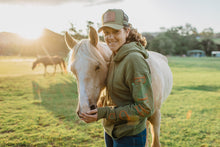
<point>79,111</point>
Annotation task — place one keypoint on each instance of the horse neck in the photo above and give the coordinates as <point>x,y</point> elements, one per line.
<point>38,61</point>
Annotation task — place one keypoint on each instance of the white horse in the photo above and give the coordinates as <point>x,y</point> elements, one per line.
<point>89,63</point>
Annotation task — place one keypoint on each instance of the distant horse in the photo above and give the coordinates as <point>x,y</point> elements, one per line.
<point>50,60</point>
<point>89,59</point>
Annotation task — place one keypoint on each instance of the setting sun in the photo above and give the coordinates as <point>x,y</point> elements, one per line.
<point>29,21</point>
<point>31,35</point>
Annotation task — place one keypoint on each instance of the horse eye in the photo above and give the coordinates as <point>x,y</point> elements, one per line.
<point>97,67</point>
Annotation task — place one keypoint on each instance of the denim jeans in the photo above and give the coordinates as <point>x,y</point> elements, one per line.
<point>138,140</point>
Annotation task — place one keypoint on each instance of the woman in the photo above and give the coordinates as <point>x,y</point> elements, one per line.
<point>129,100</point>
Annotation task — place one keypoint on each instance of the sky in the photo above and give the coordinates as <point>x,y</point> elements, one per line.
<point>29,17</point>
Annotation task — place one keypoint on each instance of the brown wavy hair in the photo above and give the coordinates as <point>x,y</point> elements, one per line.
<point>134,35</point>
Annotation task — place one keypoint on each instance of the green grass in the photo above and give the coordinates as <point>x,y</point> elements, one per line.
<point>40,111</point>
<point>196,91</point>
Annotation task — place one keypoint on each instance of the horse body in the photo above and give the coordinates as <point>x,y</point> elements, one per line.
<point>162,81</point>
<point>89,63</point>
<point>50,60</point>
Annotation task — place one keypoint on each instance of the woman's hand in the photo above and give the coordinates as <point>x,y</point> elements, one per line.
<point>90,116</point>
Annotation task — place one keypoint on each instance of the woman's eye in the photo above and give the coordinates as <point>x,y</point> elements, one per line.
<point>116,32</point>
<point>106,34</point>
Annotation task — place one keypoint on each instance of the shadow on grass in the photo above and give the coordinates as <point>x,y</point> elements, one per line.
<point>59,98</point>
<point>199,87</point>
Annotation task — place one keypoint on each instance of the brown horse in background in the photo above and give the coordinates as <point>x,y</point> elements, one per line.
<point>50,60</point>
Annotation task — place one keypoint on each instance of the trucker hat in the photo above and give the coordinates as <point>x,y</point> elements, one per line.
<point>114,18</point>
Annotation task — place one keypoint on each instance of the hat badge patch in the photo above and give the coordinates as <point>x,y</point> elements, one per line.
<point>109,17</point>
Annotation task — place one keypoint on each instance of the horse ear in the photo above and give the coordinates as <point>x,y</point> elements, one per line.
<point>70,41</point>
<point>93,35</point>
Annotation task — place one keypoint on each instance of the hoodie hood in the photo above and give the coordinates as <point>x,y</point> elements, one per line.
<point>128,48</point>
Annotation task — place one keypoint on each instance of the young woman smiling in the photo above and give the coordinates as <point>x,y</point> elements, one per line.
<point>129,99</point>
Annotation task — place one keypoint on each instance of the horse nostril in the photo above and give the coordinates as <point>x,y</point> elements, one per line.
<point>92,107</point>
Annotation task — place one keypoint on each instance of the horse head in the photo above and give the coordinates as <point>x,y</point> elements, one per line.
<point>88,61</point>
<point>34,65</point>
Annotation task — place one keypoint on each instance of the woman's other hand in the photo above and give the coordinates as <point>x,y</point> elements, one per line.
<point>90,116</point>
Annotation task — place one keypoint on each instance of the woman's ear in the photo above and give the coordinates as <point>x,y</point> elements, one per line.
<point>128,31</point>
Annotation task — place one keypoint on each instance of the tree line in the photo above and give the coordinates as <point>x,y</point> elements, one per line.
<point>172,41</point>
<point>178,40</point>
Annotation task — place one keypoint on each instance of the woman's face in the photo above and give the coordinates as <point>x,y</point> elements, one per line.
<point>115,38</point>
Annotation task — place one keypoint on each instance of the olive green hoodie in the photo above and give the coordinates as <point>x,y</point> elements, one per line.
<point>129,88</point>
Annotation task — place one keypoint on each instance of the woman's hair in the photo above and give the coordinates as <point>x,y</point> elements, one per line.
<point>135,36</point>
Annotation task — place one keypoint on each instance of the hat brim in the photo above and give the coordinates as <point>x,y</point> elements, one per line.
<point>113,26</point>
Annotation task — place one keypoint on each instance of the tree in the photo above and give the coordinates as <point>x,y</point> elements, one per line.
<point>188,30</point>
<point>162,44</point>
<point>184,38</point>
<point>73,28</point>
<point>149,38</point>
<point>77,34</point>
<point>208,46</point>
<point>89,23</point>
<point>207,33</point>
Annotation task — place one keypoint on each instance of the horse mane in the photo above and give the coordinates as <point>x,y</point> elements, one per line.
<point>85,49</point>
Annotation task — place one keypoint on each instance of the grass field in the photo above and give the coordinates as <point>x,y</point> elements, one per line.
<point>40,111</point>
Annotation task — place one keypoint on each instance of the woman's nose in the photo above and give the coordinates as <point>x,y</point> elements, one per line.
<point>110,36</point>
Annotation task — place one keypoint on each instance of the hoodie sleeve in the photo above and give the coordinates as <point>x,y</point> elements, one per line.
<point>138,79</point>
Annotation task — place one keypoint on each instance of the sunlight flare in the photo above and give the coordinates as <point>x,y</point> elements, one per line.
<point>31,35</point>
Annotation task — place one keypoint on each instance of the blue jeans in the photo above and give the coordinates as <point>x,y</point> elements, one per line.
<point>138,140</point>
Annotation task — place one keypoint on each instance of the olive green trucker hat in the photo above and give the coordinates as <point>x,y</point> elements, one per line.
<point>114,18</point>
